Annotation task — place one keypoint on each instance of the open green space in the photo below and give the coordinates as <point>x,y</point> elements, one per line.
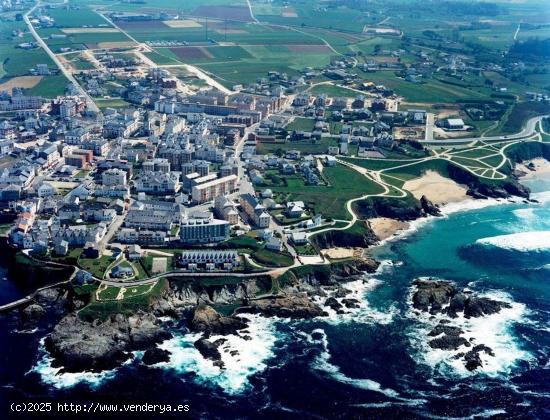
<point>344,184</point>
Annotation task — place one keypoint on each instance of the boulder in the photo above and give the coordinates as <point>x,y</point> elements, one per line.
<point>33,312</point>
<point>207,320</point>
<point>449,342</point>
<point>473,360</point>
<point>479,306</point>
<point>432,294</point>
<point>209,351</point>
<point>333,304</point>
<point>155,355</point>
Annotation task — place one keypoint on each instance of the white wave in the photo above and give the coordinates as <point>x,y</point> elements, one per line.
<point>251,357</point>
<point>525,215</point>
<point>523,241</point>
<point>59,380</point>
<point>364,313</point>
<point>31,331</point>
<point>494,331</point>
<point>542,197</point>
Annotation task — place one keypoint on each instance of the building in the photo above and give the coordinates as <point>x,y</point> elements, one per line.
<point>158,183</point>
<point>114,177</point>
<point>142,236</point>
<point>209,259</point>
<point>453,124</point>
<point>256,212</point>
<point>226,209</point>
<point>203,230</point>
<point>210,190</point>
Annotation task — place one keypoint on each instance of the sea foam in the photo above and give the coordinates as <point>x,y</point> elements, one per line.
<point>250,357</point>
<point>54,376</point>
<point>523,241</point>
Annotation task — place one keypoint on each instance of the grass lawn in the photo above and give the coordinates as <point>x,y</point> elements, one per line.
<point>345,184</point>
<point>313,147</point>
<point>271,258</point>
<point>96,266</point>
<point>301,124</point>
<point>140,299</point>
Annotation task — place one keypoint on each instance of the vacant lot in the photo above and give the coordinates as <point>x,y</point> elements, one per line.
<point>20,82</point>
<point>184,23</point>
<point>89,30</point>
<point>330,201</point>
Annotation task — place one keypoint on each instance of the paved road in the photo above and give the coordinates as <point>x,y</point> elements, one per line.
<point>89,101</point>
<point>430,120</point>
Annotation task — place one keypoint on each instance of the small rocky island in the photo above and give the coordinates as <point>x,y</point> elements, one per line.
<point>443,298</point>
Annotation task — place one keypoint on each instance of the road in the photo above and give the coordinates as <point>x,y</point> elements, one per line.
<point>89,101</point>
<point>430,121</point>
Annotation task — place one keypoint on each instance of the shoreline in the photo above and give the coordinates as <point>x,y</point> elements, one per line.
<point>393,229</point>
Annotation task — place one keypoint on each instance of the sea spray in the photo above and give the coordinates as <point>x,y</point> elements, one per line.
<point>242,354</point>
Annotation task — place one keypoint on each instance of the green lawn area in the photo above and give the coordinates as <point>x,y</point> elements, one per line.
<point>271,258</point>
<point>313,147</point>
<point>140,299</point>
<point>345,184</point>
<point>301,124</point>
<point>96,266</point>
<point>333,91</point>
<point>111,103</point>
<point>375,164</point>
<point>416,170</point>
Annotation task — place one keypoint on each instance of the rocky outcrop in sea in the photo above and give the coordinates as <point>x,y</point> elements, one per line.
<point>443,299</point>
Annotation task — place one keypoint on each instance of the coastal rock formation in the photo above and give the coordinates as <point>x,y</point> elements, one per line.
<point>77,345</point>
<point>472,358</point>
<point>443,298</point>
<point>155,355</point>
<point>209,350</point>
<point>429,207</point>
<point>431,295</point>
<point>206,319</point>
<point>33,313</point>
<point>291,306</point>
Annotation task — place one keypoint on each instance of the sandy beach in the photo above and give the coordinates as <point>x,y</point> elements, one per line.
<point>385,228</point>
<point>542,166</point>
<point>438,189</point>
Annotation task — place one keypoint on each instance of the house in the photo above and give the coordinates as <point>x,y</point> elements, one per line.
<point>294,209</point>
<point>274,244</point>
<point>61,248</point>
<point>122,272</point>
<point>134,252</point>
<point>255,211</point>
<point>45,190</point>
<point>298,238</point>
<point>453,124</point>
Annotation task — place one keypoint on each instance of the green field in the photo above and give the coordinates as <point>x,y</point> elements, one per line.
<point>345,184</point>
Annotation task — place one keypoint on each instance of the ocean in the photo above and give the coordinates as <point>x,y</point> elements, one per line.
<point>373,362</point>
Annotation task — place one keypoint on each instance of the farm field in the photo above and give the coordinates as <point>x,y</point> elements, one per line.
<point>16,63</point>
